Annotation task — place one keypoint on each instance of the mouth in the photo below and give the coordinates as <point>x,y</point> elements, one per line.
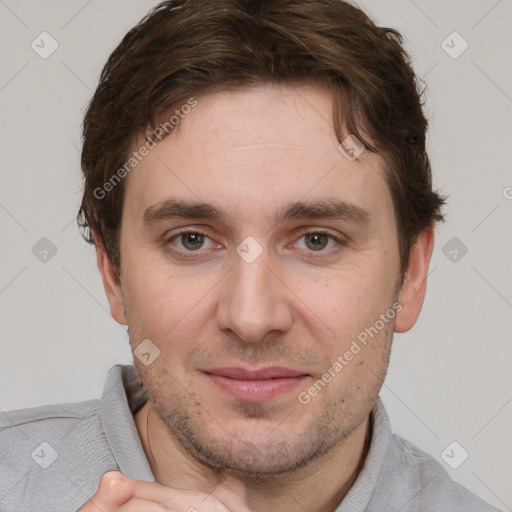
<point>256,385</point>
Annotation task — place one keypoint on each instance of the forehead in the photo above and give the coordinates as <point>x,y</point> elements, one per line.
<point>254,150</point>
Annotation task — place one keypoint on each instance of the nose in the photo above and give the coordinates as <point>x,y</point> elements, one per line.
<point>254,301</point>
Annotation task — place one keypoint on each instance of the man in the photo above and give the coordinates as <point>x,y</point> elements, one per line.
<point>260,199</point>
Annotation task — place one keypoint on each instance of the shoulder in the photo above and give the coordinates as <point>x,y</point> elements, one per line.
<point>53,414</point>
<point>53,451</point>
<point>436,489</point>
<point>21,428</point>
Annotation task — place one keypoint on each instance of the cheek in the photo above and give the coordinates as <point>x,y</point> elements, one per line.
<point>151,297</point>
<point>347,302</point>
<point>170,310</point>
<point>152,289</point>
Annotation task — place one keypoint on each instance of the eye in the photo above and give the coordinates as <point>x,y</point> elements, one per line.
<point>190,241</point>
<point>318,241</point>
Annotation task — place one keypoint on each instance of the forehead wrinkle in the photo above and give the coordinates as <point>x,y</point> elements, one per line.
<point>260,145</point>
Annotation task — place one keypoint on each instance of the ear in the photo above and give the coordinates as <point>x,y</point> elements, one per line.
<point>412,293</point>
<point>111,282</point>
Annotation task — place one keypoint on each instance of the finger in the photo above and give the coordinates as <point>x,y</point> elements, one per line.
<point>116,490</point>
<point>153,491</point>
<point>179,500</point>
<point>184,505</point>
<point>136,505</point>
<point>113,491</point>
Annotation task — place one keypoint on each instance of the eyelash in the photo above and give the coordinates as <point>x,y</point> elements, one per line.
<point>313,254</point>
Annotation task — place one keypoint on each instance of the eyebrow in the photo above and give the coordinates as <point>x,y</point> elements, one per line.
<point>325,209</point>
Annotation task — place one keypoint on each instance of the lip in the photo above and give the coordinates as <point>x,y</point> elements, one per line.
<point>256,385</point>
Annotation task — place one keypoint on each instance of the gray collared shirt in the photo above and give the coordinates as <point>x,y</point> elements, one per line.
<point>52,458</point>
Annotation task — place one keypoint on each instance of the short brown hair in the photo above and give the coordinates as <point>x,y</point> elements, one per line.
<point>188,48</point>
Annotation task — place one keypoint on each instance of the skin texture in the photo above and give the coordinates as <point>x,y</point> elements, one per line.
<point>251,153</point>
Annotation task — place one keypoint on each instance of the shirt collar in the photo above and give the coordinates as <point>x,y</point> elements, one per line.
<point>123,395</point>
<point>360,495</point>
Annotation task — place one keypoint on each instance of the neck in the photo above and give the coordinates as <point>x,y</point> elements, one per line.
<point>318,487</point>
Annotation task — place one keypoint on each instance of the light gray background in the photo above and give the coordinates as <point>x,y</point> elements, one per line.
<point>450,377</point>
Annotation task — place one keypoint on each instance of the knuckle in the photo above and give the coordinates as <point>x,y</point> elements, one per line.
<point>115,486</point>
<point>111,479</point>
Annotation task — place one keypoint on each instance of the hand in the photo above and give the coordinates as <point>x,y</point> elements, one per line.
<point>117,493</point>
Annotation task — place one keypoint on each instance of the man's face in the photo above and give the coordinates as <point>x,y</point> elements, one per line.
<point>216,313</point>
